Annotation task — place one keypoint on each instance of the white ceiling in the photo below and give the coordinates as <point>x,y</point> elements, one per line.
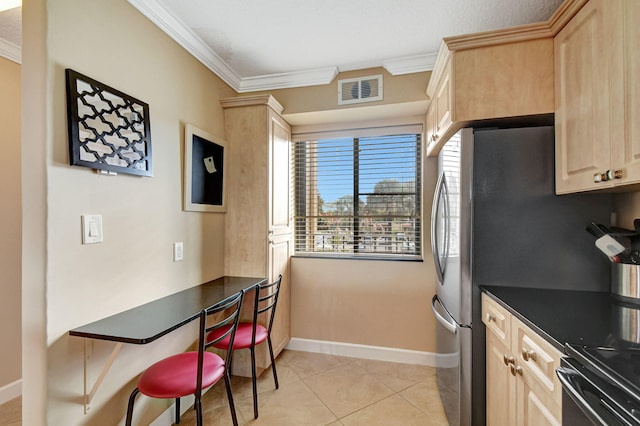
<point>260,45</point>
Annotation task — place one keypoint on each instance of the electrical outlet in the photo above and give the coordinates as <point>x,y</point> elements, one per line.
<point>178,251</point>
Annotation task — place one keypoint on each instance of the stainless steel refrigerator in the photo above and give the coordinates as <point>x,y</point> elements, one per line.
<point>496,221</point>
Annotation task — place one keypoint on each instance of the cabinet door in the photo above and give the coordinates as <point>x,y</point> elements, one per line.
<point>531,410</point>
<point>280,184</point>
<point>582,100</point>
<point>444,102</point>
<point>625,90</point>
<point>501,392</point>
<point>431,127</point>
<point>279,255</point>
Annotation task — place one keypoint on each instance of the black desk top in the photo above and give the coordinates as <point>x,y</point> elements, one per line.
<point>146,323</point>
<point>561,316</point>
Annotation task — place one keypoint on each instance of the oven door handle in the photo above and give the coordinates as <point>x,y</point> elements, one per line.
<point>569,378</point>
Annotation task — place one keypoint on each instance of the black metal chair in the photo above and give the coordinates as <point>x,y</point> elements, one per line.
<point>190,372</point>
<point>250,334</point>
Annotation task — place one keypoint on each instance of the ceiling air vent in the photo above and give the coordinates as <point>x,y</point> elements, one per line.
<point>362,89</point>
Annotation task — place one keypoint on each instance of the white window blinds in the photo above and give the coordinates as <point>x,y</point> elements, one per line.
<point>359,195</point>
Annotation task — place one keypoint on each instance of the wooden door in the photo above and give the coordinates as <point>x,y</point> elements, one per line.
<point>582,99</point>
<point>501,392</point>
<point>280,176</point>
<point>279,255</point>
<point>625,90</point>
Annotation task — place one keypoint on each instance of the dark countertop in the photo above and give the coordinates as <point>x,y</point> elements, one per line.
<point>152,320</point>
<point>561,316</point>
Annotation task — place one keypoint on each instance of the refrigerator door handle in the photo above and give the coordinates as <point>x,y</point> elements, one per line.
<point>441,192</point>
<point>451,325</point>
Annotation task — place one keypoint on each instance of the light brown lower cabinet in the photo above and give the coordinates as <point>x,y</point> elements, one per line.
<point>522,387</point>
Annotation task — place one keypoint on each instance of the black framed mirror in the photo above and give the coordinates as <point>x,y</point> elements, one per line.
<point>108,129</point>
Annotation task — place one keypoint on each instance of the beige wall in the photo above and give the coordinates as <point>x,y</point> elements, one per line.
<point>110,41</point>
<point>367,302</point>
<point>10,222</point>
<point>375,303</point>
<point>396,89</point>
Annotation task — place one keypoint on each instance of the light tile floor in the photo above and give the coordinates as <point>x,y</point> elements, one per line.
<point>318,389</point>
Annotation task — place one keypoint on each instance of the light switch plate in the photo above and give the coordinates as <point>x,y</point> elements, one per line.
<point>91,228</point>
<point>178,252</point>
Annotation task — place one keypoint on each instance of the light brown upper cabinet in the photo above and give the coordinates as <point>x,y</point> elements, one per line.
<point>483,77</point>
<point>598,98</point>
<point>488,76</point>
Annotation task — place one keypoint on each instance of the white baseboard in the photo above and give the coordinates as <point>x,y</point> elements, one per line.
<point>10,391</point>
<point>378,353</point>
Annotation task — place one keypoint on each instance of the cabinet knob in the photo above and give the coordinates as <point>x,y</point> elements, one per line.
<point>434,137</point>
<point>490,317</point>
<point>608,175</point>
<point>508,359</point>
<point>515,369</point>
<point>528,355</point>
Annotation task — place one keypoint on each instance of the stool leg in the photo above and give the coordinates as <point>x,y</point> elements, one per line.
<point>177,410</point>
<point>132,399</point>
<point>273,362</point>
<point>254,381</point>
<point>232,406</point>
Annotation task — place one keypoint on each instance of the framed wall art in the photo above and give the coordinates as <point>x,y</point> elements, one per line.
<point>108,129</point>
<point>204,171</point>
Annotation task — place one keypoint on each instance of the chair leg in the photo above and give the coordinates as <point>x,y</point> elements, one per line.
<point>198,405</point>
<point>254,381</point>
<point>232,406</point>
<point>177,410</point>
<point>132,399</point>
<point>273,362</point>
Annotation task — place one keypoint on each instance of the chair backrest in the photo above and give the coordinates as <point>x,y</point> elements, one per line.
<point>226,312</point>
<point>266,301</point>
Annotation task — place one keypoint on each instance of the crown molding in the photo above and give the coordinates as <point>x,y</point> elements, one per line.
<point>545,29</point>
<point>252,100</point>
<point>181,34</point>
<point>288,80</point>
<point>11,51</point>
<point>410,64</point>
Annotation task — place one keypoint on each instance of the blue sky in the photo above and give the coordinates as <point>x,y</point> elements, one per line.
<point>379,159</point>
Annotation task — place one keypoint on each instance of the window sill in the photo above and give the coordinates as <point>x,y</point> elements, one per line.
<point>385,258</point>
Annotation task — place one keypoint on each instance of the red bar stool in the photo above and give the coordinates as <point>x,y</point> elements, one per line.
<point>190,372</point>
<point>250,334</point>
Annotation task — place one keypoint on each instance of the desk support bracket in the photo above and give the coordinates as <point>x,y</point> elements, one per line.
<point>88,395</point>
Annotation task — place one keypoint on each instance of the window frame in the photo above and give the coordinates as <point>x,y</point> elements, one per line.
<point>301,191</point>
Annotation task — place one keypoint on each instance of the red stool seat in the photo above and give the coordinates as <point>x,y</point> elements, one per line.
<point>243,336</point>
<point>176,376</point>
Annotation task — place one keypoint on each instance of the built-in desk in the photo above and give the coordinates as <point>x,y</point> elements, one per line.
<point>148,322</point>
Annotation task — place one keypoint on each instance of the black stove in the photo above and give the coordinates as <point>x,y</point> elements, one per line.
<point>603,382</point>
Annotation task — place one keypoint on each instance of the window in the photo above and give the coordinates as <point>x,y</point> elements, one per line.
<point>359,196</point>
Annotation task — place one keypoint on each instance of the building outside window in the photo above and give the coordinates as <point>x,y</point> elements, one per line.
<point>359,196</point>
